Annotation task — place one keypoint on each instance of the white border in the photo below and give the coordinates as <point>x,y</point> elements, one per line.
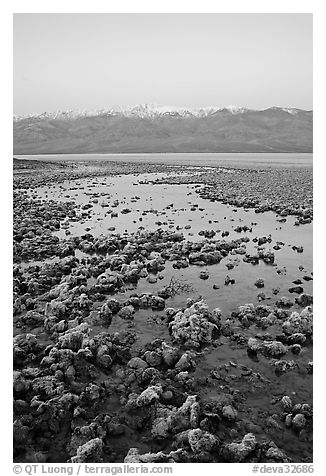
<point>167,6</point>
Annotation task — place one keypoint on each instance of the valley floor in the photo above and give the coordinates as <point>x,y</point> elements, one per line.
<point>162,313</point>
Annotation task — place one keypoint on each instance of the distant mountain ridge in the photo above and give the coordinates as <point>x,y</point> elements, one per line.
<point>145,110</point>
<point>152,128</point>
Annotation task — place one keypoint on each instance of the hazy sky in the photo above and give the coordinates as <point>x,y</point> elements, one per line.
<point>94,61</point>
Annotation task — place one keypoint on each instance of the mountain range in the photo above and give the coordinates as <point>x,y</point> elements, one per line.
<point>151,128</point>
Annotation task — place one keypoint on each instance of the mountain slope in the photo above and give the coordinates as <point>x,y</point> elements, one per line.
<point>163,129</point>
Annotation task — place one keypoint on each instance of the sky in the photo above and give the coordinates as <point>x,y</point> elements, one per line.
<point>95,61</point>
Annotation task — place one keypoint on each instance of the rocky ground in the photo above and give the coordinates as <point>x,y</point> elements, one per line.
<point>105,372</point>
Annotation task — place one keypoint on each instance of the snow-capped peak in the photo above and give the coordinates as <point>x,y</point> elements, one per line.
<point>236,109</point>
<point>152,110</point>
<point>290,110</point>
<point>140,110</point>
<point>149,111</point>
